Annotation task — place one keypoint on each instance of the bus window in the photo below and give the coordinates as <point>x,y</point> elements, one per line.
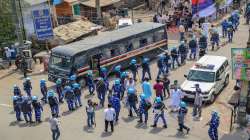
<point>143,42</point>
<point>80,61</point>
<point>60,62</point>
<point>114,52</point>
<point>129,47</point>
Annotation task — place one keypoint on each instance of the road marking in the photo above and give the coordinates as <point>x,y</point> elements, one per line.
<point>6,105</point>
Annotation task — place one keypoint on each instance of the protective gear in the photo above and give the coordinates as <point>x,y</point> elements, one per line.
<point>68,88</point>
<point>34,98</point>
<point>131,91</point>
<point>117,82</point>
<point>43,81</point>
<point>124,74</point>
<point>133,61</point>
<point>158,99</point>
<point>15,98</point>
<point>76,86</point>
<point>59,90</point>
<point>37,108</point>
<point>183,104</point>
<point>103,69</point>
<point>53,103</point>
<point>27,86</point>
<point>59,81</point>
<point>145,68</point>
<point>77,93</point>
<point>17,101</point>
<point>142,96</point>
<point>118,68</point>
<point>72,78</point>
<point>16,91</point>
<point>51,93</point>
<point>70,98</point>
<point>182,42</point>
<point>44,90</point>
<point>90,73</point>
<point>145,60</point>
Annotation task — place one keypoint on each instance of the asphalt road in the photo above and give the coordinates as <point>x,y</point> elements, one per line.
<point>73,124</point>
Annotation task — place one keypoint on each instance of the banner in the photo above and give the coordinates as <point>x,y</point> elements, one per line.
<point>199,5</point>
<point>240,63</point>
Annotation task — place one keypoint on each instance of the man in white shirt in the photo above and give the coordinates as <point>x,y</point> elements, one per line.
<point>54,126</point>
<point>109,116</point>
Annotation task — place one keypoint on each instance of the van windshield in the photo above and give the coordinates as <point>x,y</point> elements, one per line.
<point>60,62</point>
<point>201,76</point>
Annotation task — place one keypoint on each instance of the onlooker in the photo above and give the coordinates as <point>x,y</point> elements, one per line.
<point>54,126</point>
<point>109,117</point>
<point>158,87</point>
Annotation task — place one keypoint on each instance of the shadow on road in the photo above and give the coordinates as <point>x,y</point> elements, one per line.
<point>129,119</point>
<point>88,129</point>
<point>156,130</point>
<point>106,134</point>
<point>179,135</point>
<point>141,126</point>
<point>7,75</point>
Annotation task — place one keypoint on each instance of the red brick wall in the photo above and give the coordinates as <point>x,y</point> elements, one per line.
<point>64,9</point>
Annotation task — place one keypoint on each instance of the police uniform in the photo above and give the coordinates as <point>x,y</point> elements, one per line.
<point>144,106</point>
<point>44,90</point>
<point>17,107</point>
<point>117,88</point>
<point>59,90</point>
<point>159,107</point>
<point>90,83</point>
<point>133,67</point>
<point>70,97</point>
<point>27,109</point>
<point>145,68</point>
<point>27,86</point>
<point>78,94</point>
<point>37,108</point>
<point>53,103</point>
<point>114,100</point>
<point>213,126</point>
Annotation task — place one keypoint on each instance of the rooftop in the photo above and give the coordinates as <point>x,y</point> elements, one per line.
<point>106,38</point>
<point>35,2</point>
<point>103,3</point>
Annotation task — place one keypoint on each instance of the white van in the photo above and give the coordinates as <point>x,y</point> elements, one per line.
<point>211,73</point>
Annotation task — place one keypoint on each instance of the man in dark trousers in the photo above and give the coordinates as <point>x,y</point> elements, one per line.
<point>109,117</point>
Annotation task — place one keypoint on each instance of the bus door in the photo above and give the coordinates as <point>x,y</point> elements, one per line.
<point>95,63</point>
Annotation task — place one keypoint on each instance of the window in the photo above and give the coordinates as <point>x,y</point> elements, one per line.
<point>219,72</point>
<point>80,61</point>
<point>129,47</point>
<point>200,76</point>
<point>76,9</point>
<point>225,65</point>
<point>143,42</point>
<point>114,52</point>
<point>60,62</point>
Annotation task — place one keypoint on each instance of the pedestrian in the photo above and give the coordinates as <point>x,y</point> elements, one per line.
<point>90,83</point>
<point>144,106</point>
<point>59,90</point>
<point>17,91</point>
<point>214,38</point>
<point>193,48</point>
<point>176,97</point>
<point>117,88</point>
<point>114,100</point>
<point>213,126</point>
<point>202,45</point>
<point>101,90</point>
<point>166,60</point>
<point>132,101</point>
<point>133,68</point>
<point>175,57</point>
<point>44,90</point>
<point>109,117</point>
<point>197,109</point>
<point>183,52</point>
<point>182,32</point>
<point>130,83</point>
<point>181,117</point>
<point>70,97</point>
<point>166,82</point>
<point>158,87</point>
<point>224,26</point>
<point>54,127</point>
<point>147,88</point>
<point>37,108</point>
<point>17,107</point>
<point>161,65</point>
<point>27,86</point>
<point>145,68</point>
<point>26,108</point>
<point>24,67</point>
<point>53,103</point>
<point>158,109</point>
<point>230,32</point>
<point>90,110</point>
<point>78,93</point>
<point>118,71</point>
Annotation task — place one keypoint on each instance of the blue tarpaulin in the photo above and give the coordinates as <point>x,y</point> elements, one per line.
<point>207,11</point>
<point>56,2</point>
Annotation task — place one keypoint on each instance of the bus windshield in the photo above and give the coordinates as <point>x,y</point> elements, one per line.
<point>60,62</point>
<point>201,76</point>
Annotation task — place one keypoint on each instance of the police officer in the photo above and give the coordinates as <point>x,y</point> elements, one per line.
<point>214,38</point>
<point>44,90</point>
<point>144,106</point>
<point>161,66</point>
<point>230,32</point>
<point>90,82</point>
<point>134,68</point>
<point>132,101</point>
<point>181,117</point>
<point>166,60</point>
<point>202,45</point>
<point>104,73</point>
<point>183,52</point>
<point>53,103</point>
<point>118,71</point>
<point>174,56</point>
<point>145,68</point>
<point>159,107</point>
<point>72,79</point>
<point>101,90</point>
<point>78,94</point>
<point>17,91</point>
<point>124,78</point>
<point>70,98</point>
<point>59,89</point>
<point>213,126</point>
<point>27,86</point>
<point>224,26</point>
<point>117,88</point>
<point>114,100</point>
<point>37,108</point>
<point>17,107</point>
<point>193,48</point>
<point>27,109</point>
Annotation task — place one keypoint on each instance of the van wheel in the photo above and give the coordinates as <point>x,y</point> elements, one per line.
<point>82,82</point>
<point>226,81</point>
<point>212,99</point>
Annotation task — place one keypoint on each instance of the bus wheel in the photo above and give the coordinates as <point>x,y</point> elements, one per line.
<point>82,82</point>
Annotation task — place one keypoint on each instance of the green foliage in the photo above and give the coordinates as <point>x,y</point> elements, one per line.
<point>7,26</point>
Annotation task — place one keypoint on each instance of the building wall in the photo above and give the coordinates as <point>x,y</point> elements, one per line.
<point>28,18</point>
<point>64,9</point>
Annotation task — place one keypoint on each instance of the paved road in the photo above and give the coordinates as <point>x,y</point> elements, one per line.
<point>73,125</point>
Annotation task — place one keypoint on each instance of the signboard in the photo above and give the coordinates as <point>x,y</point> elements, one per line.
<point>42,24</point>
<point>240,63</point>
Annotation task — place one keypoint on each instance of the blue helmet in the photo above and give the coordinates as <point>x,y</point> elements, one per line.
<point>182,42</point>
<point>50,93</point>
<point>183,104</point>
<point>90,73</point>
<point>14,98</point>
<point>117,81</point>
<point>230,23</point>
<point>72,77</point>
<point>157,99</point>
<point>133,61</point>
<point>43,81</point>
<point>103,69</point>
<point>142,96</point>
<point>124,74</point>
<point>131,90</point>
<point>76,86</point>
<point>58,81</point>
<point>145,60</point>
<point>34,98</point>
<point>67,88</point>
<point>118,68</point>
<point>161,56</point>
